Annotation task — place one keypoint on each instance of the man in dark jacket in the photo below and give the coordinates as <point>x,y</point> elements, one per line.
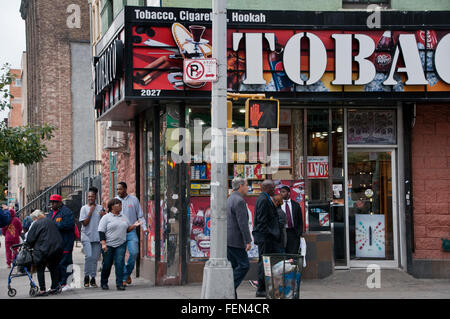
<point>238,234</point>
<point>47,243</point>
<point>266,231</point>
<point>294,221</point>
<point>64,220</point>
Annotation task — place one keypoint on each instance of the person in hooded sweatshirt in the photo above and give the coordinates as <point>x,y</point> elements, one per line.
<point>12,236</point>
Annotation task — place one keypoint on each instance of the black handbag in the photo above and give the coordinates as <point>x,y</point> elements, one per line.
<point>24,257</point>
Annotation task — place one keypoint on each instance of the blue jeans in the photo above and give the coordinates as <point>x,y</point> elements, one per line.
<point>91,253</point>
<point>133,251</point>
<point>239,261</point>
<point>114,255</point>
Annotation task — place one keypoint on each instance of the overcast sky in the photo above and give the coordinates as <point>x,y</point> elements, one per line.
<point>12,35</point>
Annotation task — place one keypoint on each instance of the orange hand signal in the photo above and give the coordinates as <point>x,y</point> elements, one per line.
<point>255,115</point>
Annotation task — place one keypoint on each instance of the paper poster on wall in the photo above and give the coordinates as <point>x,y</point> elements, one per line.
<point>370,239</point>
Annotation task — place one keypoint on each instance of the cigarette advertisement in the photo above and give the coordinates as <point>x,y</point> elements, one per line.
<point>159,50</point>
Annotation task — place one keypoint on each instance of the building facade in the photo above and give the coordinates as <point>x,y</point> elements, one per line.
<point>362,136</point>
<point>15,173</point>
<point>59,86</point>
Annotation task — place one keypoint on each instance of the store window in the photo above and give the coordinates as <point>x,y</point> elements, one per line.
<point>338,187</point>
<point>112,174</point>
<point>370,205</point>
<point>317,169</point>
<point>247,157</point>
<point>362,4</point>
<point>372,127</point>
<point>170,190</point>
<point>149,196</point>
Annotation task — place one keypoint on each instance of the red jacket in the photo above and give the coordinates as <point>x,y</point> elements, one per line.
<point>13,230</point>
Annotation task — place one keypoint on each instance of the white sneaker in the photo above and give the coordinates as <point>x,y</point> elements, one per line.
<point>66,288</point>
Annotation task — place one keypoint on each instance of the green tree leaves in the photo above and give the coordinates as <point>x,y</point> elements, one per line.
<point>23,144</point>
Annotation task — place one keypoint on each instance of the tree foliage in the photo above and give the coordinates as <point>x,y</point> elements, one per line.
<point>3,178</point>
<point>22,144</point>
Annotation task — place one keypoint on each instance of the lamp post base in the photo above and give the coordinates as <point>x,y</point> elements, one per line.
<point>218,282</point>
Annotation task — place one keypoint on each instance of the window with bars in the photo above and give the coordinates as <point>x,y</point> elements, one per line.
<point>355,4</point>
<point>365,1</point>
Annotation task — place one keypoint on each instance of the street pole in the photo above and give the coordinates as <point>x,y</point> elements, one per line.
<point>218,275</point>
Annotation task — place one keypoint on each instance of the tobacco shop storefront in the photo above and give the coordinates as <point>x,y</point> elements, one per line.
<point>341,145</point>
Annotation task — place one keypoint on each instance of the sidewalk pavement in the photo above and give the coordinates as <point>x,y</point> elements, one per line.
<point>343,284</point>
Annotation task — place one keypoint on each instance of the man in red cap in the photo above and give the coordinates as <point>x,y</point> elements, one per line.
<point>63,217</point>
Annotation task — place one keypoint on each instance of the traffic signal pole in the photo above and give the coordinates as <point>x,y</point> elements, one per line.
<point>218,274</point>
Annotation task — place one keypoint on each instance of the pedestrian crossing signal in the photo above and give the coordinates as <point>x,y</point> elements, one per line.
<point>262,114</point>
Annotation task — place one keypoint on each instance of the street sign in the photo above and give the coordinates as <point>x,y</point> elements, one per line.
<point>262,114</point>
<point>200,70</point>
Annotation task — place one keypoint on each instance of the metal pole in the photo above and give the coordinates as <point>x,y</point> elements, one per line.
<point>218,274</point>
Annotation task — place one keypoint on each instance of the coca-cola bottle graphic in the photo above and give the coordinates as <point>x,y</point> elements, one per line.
<point>197,224</point>
<point>383,57</point>
<point>282,82</point>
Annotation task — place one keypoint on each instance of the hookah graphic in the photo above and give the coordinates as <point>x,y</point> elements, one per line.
<point>197,32</point>
<point>191,45</point>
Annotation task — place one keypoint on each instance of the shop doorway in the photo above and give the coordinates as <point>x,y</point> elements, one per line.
<point>371,210</point>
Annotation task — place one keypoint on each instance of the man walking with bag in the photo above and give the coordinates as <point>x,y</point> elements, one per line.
<point>238,232</point>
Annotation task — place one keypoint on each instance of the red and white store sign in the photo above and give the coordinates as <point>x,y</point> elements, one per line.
<point>317,167</point>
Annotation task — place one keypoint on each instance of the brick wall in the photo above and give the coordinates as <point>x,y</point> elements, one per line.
<point>126,171</point>
<point>15,113</point>
<point>49,82</point>
<point>431,180</point>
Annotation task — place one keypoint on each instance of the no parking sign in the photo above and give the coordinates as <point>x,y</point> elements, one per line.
<point>200,70</point>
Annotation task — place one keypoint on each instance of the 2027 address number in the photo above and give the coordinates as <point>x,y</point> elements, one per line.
<point>150,92</point>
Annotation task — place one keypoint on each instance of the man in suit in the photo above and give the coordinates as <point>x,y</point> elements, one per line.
<point>266,231</point>
<point>294,221</point>
<point>238,233</point>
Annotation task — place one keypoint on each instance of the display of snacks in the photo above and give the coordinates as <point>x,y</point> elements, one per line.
<point>249,171</point>
<point>239,170</point>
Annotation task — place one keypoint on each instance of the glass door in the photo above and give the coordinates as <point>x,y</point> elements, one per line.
<point>372,208</point>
